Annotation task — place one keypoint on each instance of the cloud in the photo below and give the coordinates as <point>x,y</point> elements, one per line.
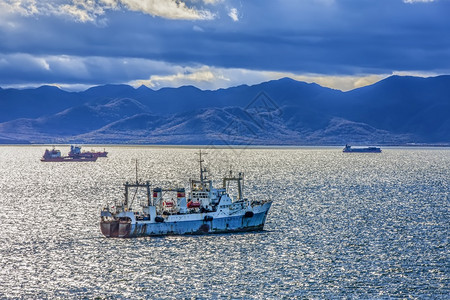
<point>340,44</point>
<point>170,9</point>
<point>66,69</point>
<point>212,78</point>
<point>415,73</point>
<point>78,73</point>
<point>81,10</point>
<point>233,14</point>
<point>198,28</point>
<point>203,77</point>
<point>418,1</point>
<point>22,7</point>
<point>212,1</point>
<point>90,10</point>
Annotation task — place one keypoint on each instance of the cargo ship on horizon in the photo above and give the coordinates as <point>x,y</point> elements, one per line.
<point>75,155</point>
<point>350,149</point>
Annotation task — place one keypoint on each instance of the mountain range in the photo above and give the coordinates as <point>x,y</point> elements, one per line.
<point>395,111</point>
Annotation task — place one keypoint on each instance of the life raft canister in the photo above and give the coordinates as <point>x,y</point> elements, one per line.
<point>168,203</point>
<point>192,204</point>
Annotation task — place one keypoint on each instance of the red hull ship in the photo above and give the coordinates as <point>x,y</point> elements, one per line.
<point>75,155</point>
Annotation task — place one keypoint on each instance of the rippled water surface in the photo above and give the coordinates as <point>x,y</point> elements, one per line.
<point>341,226</point>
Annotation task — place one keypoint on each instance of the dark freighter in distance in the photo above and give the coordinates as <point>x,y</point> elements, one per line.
<point>349,149</point>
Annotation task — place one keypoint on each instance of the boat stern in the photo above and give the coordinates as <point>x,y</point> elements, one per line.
<point>116,224</point>
<point>115,228</point>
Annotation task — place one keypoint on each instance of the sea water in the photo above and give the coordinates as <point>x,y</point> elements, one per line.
<point>342,225</point>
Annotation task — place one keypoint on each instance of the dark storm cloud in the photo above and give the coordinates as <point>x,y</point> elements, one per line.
<point>340,37</point>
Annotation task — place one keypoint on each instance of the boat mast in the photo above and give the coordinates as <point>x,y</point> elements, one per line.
<point>239,181</point>
<point>136,170</point>
<point>125,203</point>
<point>137,185</point>
<point>202,170</point>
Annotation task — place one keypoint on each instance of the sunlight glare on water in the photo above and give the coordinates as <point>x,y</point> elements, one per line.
<point>341,226</point>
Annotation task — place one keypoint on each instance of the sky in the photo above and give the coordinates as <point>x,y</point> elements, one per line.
<point>212,44</point>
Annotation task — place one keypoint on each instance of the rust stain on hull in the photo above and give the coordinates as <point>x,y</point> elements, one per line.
<point>204,228</point>
<point>115,228</point>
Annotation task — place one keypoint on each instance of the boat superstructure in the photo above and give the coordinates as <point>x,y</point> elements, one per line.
<point>75,151</point>
<point>172,211</point>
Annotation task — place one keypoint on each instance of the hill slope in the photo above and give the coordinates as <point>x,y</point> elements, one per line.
<point>396,110</point>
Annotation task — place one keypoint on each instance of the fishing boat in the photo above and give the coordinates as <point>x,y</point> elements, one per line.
<point>203,210</point>
<point>54,155</point>
<point>75,151</point>
<point>350,149</point>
